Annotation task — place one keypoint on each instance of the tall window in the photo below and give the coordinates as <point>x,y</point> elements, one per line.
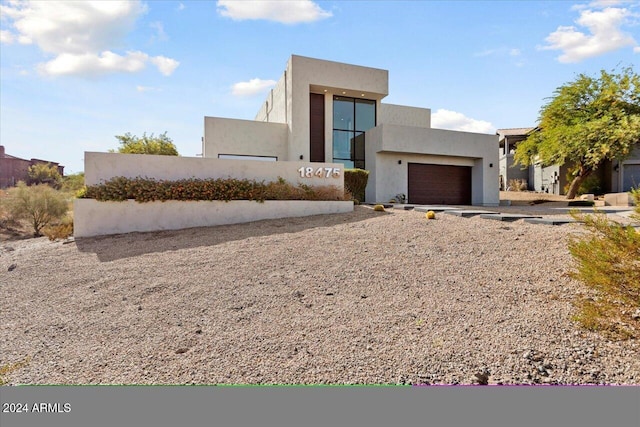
<point>351,118</point>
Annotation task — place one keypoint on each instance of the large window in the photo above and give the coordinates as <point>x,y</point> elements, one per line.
<point>351,118</point>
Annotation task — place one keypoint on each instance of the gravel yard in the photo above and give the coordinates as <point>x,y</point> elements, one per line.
<point>357,298</point>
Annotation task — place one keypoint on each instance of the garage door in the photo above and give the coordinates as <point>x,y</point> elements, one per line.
<point>630,177</point>
<point>439,184</point>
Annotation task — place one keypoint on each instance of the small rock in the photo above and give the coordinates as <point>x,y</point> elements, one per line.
<point>636,314</point>
<point>329,294</point>
<point>182,350</point>
<point>482,378</point>
<point>12,267</point>
<point>139,308</point>
<point>198,331</point>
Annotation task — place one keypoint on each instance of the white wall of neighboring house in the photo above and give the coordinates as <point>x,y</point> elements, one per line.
<point>402,133</point>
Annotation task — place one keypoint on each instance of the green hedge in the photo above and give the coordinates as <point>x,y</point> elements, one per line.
<point>149,189</point>
<point>355,182</point>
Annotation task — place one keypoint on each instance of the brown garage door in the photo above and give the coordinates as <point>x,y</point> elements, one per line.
<point>439,184</point>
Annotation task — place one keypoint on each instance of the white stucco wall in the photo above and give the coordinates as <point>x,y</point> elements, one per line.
<point>273,109</point>
<point>386,144</point>
<point>404,116</point>
<point>104,166</point>
<point>93,218</point>
<point>309,74</point>
<point>244,137</point>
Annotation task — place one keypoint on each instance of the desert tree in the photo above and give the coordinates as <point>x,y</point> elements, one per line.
<point>147,144</point>
<point>586,122</point>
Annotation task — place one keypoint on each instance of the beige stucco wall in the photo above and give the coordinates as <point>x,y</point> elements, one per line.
<point>313,75</point>
<point>273,109</point>
<point>404,116</point>
<point>244,137</point>
<point>103,166</point>
<point>386,144</point>
<point>93,218</point>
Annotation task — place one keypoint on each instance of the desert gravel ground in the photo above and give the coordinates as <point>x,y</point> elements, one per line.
<point>357,298</point>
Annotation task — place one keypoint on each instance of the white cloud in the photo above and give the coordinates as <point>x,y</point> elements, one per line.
<point>6,37</point>
<point>165,65</point>
<point>181,7</point>
<point>252,87</point>
<point>283,11</point>
<point>599,4</point>
<point>502,51</point>
<point>161,35</point>
<point>147,89</point>
<point>605,34</point>
<point>81,35</point>
<point>91,64</point>
<point>452,120</point>
<point>636,49</point>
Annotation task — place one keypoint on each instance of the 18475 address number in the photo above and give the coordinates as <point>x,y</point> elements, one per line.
<point>309,172</point>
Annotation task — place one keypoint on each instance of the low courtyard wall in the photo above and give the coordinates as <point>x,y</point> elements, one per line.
<point>94,218</point>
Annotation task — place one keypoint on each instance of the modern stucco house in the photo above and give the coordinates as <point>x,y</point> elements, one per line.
<point>611,177</point>
<point>324,111</point>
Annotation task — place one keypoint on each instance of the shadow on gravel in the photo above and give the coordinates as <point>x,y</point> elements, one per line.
<point>110,248</point>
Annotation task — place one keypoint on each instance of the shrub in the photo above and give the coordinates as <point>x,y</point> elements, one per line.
<point>39,204</point>
<point>378,208</point>
<point>517,185</point>
<point>42,173</point>
<point>355,182</point>
<point>608,261</point>
<point>59,231</point>
<point>73,183</point>
<point>148,190</point>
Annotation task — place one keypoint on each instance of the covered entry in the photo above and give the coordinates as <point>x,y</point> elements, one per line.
<point>439,184</point>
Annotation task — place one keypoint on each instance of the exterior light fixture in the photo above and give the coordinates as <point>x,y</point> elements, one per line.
<point>343,92</point>
<point>301,157</point>
<point>399,162</point>
<point>490,165</point>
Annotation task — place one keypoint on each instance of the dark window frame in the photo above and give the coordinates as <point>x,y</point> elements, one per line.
<point>355,132</point>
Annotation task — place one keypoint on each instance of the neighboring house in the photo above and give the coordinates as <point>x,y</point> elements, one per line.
<point>324,111</point>
<point>507,141</point>
<point>14,169</point>
<point>610,177</point>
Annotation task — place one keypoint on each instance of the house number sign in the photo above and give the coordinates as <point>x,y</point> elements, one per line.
<point>309,172</point>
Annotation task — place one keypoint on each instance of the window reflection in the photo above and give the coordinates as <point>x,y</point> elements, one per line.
<point>351,118</point>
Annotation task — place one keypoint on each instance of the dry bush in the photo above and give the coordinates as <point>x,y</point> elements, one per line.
<point>40,205</point>
<point>59,231</point>
<point>608,261</point>
<point>518,185</point>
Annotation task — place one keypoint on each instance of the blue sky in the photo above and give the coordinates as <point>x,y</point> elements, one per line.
<point>75,74</point>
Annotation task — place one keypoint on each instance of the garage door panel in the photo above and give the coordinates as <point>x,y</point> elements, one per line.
<point>439,184</point>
